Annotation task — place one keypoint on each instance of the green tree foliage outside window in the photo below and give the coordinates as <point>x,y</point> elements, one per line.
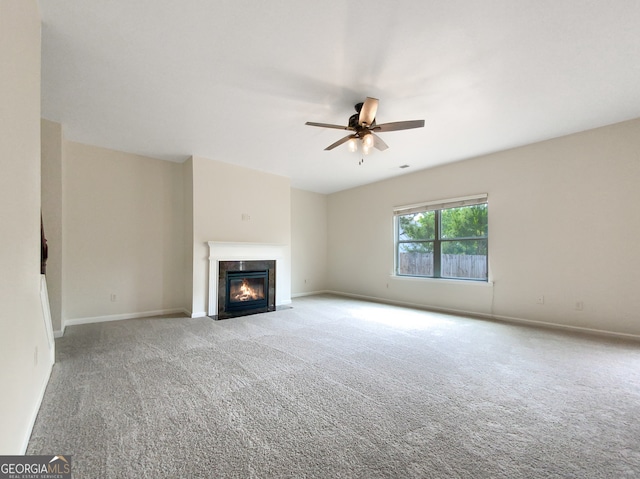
<point>418,227</point>
<point>448,234</point>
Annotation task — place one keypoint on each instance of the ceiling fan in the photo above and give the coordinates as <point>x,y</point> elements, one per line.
<point>364,127</point>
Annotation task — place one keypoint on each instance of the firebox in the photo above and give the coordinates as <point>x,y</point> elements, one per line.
<point>247,290</point>
<point>246,287</point>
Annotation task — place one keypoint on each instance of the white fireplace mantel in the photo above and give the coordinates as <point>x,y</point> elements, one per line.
<point>227,251</point>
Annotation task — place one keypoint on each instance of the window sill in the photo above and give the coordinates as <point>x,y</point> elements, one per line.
<point>423,279</point>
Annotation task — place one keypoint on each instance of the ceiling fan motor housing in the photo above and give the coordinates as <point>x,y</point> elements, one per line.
<point>353,121</point>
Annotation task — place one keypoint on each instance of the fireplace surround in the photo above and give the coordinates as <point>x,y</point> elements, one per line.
<point>221,251</point>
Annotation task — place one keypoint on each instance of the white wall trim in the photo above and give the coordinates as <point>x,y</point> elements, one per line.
<point>118,317</point>
<point>36,410</point>
<point>46,316</point>
<point>507,319</point>
<point>575,329</point>
<point>310,293</point>
<point>448,281</point>
<point>189,314</point>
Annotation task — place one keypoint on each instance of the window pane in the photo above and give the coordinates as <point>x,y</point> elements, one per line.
<point>464,222</point>
<point>419,226</point>
<point>415,259</point>
<point>464,259</point>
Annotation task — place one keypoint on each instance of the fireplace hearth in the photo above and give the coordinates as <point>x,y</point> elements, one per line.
<point>246,287</point>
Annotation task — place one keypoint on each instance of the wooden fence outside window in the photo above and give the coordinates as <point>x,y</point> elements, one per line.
<point>452,265</point>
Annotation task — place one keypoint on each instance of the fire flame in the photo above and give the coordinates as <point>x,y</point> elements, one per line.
<point>246,293</point>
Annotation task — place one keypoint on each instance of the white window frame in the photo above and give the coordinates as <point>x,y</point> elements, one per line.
<point>436,206</point>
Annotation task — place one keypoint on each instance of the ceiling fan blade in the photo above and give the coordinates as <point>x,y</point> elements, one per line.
<point>368,111</point>
<point>328,125</point>
<point>378,143</point>
<point>339,142</point>
<point>399,125</point>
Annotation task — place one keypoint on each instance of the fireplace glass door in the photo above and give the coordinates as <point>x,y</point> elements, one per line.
<point>246,287</point>
<point>246,290</point>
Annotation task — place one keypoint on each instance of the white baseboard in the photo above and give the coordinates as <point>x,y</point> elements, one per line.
<point>118,317</point>
<point>309,293</point>
<point>36,410</point>
<point>199,314</point>
<point>575,329</point>
<point>496,317</point>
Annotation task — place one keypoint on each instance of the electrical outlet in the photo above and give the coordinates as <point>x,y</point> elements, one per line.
<point>113,297</point>
<point>540,299</point>
<point>579,306</point>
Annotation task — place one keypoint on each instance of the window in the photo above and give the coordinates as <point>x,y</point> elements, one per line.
<point>444,239</point>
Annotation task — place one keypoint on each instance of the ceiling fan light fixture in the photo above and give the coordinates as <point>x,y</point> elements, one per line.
<point>367,140</point>
<point>352,145</point>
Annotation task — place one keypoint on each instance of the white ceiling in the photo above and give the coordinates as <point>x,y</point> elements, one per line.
<point>235,80</point>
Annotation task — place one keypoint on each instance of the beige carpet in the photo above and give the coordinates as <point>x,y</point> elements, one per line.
<point>337,388</point>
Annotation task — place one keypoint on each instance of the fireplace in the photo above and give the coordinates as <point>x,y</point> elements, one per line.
<point>246,290</point>
<point>224,251</point>
<point>246,287</point>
